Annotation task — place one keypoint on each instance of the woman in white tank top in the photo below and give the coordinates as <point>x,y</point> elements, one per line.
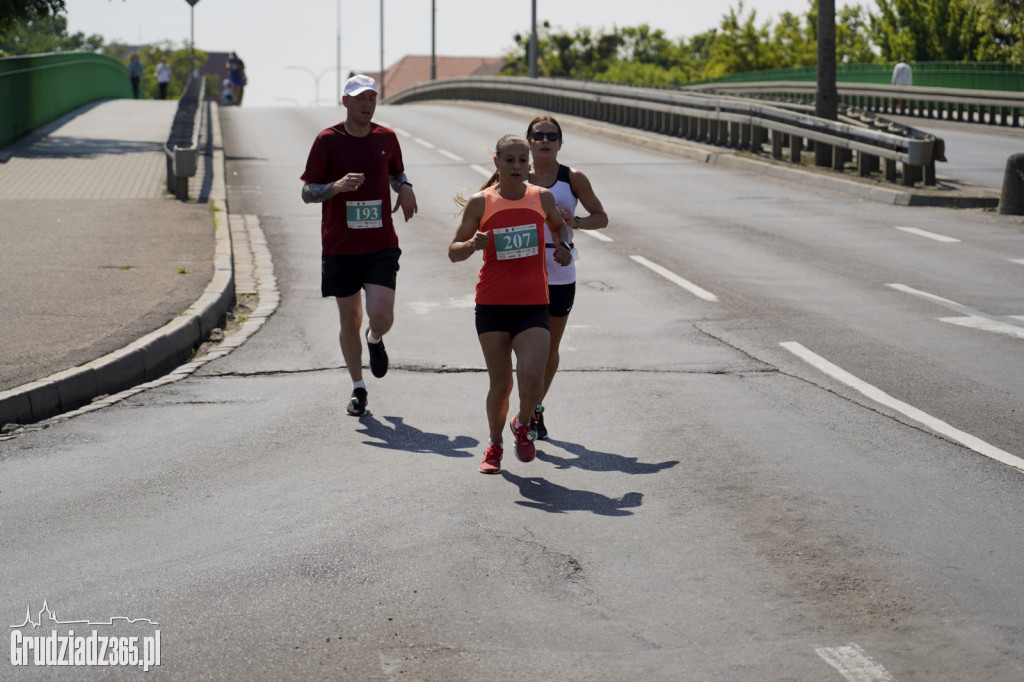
<point>570,188</point>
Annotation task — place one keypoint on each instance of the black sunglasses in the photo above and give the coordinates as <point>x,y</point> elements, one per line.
<point>550,137</point>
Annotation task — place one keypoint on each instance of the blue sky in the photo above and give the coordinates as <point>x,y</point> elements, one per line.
<point>271,35</point>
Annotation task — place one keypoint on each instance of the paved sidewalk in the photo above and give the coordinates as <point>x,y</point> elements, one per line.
<point>97,255</point>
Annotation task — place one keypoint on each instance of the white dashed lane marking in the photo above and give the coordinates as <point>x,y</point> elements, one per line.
<point>881,397</point>
<point>596,234</point>
<point>448,154</point>
<point>928,235</point>
<point>676,279</point>
<point>853,664</point>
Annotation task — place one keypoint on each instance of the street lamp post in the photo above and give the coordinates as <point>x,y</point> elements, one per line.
<point>192,38</point>
<point>532,57</point>
<point>316,78</point>
<point>337,63</point>
<point>380,85</point>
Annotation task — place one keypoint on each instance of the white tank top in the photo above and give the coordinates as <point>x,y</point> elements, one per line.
<point>564,198</point>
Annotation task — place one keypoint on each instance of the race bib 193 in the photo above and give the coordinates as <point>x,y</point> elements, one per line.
<point>363,215</point>
<point>515,242</point>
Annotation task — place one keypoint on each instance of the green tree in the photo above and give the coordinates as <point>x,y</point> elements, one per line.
<point>517,59</point>
<point>795,41</point>
<point>647,74</point>
<point>642,45</point>
<point>927,30</point>
<point>916,30</point>
<point>14,12</point>
<point>577,55</point>
<point>696,52</point>
<point>1002,31</point>
<point>740,45</point>
<point>45,33</point>
<point>853,37</point>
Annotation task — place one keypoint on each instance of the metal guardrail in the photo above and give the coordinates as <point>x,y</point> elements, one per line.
<point>734,122</point>
<point>182,148</point>
<point>990,107</point>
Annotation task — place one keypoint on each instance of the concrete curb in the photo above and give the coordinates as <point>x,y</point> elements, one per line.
<point>153,355</point>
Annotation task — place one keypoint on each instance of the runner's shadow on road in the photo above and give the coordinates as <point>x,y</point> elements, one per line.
<point>401,436</point>
<point>592,460</point>
<point>557,499</point>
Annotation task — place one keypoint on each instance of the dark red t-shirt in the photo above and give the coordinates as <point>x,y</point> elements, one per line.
<point>356,222</point>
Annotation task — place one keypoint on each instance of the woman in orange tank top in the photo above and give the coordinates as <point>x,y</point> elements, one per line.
<point>506,221</point>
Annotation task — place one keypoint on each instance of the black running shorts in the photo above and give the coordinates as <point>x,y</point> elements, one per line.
<point>561,297</point>
<point>343,276</point>
<point>511,319</point>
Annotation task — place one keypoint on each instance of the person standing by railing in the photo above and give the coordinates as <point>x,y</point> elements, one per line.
<point>135,73</point>
<point>236,78</point>
<point>902,75</point>
<point>163,77</point>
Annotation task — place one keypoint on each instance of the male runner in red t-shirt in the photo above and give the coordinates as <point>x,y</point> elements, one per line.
<point>351,170</point>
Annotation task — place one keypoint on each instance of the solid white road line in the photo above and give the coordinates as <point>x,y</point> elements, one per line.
<point>1018,261</point>
<point>930,235</point>
<point>883,398</point>
<point>676,279</point>
<point>853,664</point>
<point>421,141</point>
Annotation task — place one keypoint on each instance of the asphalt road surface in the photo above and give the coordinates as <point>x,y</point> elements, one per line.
<point>785,445</point>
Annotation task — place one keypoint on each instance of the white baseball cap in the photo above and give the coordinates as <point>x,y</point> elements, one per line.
<point>358,84</point>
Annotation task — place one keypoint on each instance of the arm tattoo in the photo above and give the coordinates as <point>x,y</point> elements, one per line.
<point>317,194</point>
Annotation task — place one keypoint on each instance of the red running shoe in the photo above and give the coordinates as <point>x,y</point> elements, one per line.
<point>525,450</point>
<point>492,459</point>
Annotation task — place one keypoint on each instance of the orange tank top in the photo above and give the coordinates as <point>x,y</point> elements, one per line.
<point>514,270</point>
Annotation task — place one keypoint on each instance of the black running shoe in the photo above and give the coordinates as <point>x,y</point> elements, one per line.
<point>378,358</point>
<point>357,405</point>
<point>537,423</point>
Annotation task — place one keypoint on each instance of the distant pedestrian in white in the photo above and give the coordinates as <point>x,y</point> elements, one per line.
<point>902,74</point>
<point>163,77</point>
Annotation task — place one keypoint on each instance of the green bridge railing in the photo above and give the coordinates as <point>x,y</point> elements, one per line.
<point>37,89</point>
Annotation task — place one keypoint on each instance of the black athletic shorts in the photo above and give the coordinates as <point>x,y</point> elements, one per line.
<point>561,297</point>
<point>343,276</point>
<point>512,319</point>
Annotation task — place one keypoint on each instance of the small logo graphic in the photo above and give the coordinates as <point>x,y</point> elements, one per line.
<point>62,647</point>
